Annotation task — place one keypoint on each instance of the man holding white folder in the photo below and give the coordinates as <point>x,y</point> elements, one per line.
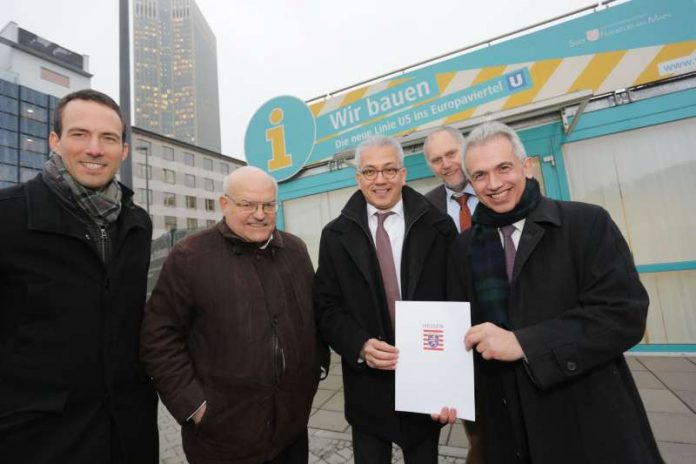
<point>388,244</point>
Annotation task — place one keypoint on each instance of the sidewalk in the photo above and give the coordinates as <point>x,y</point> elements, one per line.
<point>667,386</point>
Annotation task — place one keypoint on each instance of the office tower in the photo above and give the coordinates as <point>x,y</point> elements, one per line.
<point>175,72</point>
<point>34,74</point>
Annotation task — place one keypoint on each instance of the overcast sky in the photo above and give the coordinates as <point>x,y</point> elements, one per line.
<point>303,48</point>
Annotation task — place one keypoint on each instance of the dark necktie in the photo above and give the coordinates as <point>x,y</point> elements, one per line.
<point>386,265</point>
<point>464,213</point>
<point>509,247</point>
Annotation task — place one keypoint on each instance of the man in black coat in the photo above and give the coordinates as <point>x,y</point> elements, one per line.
<point>384,227</point>
<point>556,302</point>
<point>74,256</point>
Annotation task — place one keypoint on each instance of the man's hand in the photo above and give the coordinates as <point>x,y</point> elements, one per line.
<point>494,342</point>
<point>446,416</point>
<point>379,355</point>
<point>198,416</point>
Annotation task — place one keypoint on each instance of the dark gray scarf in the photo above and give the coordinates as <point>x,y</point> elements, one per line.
<point>102,206</point>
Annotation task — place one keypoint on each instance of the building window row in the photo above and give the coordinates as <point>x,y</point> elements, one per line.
<point>170,223</point>
<point>189,159</point>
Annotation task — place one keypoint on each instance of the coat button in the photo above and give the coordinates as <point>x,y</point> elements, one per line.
<point>571,366</point>
<point>504,402</point>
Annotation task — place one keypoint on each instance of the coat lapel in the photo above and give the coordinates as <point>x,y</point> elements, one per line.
<point>417,243</point>
<point>359,246</point>
<point>546,212</point>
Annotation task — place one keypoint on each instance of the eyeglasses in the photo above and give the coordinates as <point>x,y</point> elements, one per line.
<point>268,207</point>
<point>371,173</point>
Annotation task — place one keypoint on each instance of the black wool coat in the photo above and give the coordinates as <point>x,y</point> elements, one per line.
<point>351,308</point>
<point>70,377</point>
<point>576,305</point>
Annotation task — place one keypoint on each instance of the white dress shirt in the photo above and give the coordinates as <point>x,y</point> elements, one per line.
<point>395,225</point>
<point>516,234</point>
<point>453,206</point>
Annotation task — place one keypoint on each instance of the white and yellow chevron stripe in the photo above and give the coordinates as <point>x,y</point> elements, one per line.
<point>600,73</point>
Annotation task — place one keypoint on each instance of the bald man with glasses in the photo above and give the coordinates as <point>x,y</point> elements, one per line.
<point>229,335</point>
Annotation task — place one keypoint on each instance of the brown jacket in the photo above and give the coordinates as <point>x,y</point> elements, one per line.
<point>232,324</point>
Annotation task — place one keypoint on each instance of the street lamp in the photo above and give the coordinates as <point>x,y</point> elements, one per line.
<point>146,149</point>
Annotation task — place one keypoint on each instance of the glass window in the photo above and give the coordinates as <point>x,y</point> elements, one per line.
<point>144,148</point>
<point>9,89</point>
<point>190,201</point>
<point>144,196</point>
<point>30,111</point>
<point>169,176</point>
<point>189,159</point>
<point>190,180</point>
<point>8,173</point>
<point>31,159</point>
<point>35,128</point>
<point>33,96</point>
<point>8,138</point>
<point>207,164</point>
<point>191,223</point>
<point>209,204</point>
<point>169,223</point>
<point>35,144</point>
<point>209,185</point>
<point>142,168</point>
<point>8,121</point>
<point>9,105</point>
<point>8,155</point>
<point>209,223</point>
<point>26,174</point>
<point>224,168</point>
<point>168,153</point>
<point>169,199</point>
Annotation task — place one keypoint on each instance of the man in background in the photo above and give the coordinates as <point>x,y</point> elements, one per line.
<point>443,151</point>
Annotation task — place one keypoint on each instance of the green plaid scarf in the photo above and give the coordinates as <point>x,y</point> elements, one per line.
<point>487,258</point>
<point>103,206</point>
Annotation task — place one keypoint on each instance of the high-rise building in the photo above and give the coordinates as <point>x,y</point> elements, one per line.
<point>34,73</point>
<point>175,72</point>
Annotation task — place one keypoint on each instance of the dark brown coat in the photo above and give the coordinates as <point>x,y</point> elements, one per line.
<point>212,326</point>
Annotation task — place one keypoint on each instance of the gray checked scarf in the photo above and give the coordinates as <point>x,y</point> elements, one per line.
<point>102,206</point>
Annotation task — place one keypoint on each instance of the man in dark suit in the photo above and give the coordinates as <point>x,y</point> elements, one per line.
<point>443,152</point>
<point>556,301</point>
<point>384,227</point>
<point>74,257</point>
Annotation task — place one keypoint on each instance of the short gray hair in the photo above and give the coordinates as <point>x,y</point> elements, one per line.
<point>488,131</point>
<point>456,135</point>
<point>379,141</point>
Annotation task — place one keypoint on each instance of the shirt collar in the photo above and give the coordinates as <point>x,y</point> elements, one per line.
<point>469,190</point>
<point>398,209</point>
